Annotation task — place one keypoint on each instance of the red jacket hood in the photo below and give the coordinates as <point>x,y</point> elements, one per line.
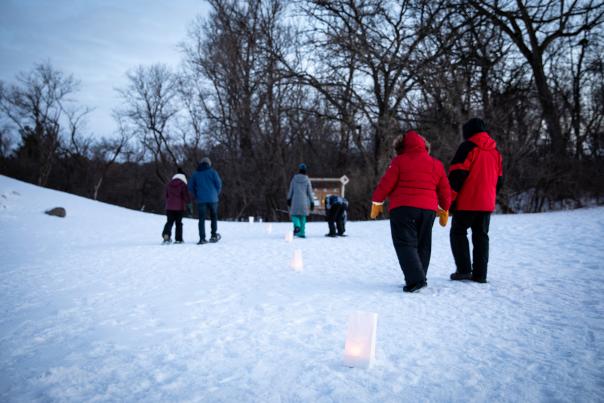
<point>483,141</point>
<point>413,142</point>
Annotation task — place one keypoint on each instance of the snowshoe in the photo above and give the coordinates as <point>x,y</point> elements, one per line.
<point>202,242</point>
<point>167,239</point>
<point>178,242</point>
<point>215,238</point>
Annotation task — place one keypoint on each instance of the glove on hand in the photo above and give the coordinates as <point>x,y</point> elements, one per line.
<point>312,206</point>
<point>376,210</point>
<point>289,202</point>
<point>443,217</point>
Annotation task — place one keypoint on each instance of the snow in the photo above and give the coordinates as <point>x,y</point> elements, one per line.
<point>93,308</point>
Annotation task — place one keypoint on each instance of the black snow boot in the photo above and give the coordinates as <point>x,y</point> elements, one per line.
<point>415,287</point>
<point>460,276</point>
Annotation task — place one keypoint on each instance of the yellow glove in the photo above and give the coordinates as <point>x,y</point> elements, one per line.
<point>376,210</point>
<point>443,217</point>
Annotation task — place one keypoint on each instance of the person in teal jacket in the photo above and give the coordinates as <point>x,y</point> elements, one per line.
<point>205,186</point>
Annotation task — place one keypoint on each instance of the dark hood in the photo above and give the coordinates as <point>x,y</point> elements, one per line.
<point>203,166</point>
<point>472,127</point>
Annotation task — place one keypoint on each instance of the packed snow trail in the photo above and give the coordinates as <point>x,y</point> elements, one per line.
<point>94,308</point>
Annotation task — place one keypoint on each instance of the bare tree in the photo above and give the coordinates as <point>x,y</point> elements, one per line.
<point>536,27</point>
<point>37,106</point>
<point>150,107</point>
<point>104,155</point>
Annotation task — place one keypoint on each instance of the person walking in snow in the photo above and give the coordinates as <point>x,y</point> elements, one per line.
<point>205,185</point>
<point>416,185</point>
<point>476,174</point>
<point>336,208</point>
<point>300,200</point>
<point>177,200</point>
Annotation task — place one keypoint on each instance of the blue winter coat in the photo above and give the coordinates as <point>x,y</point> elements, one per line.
<point>205,184</point>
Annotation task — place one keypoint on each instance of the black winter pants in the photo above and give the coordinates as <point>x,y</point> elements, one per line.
<point>478,221</point>
<point>336,217</point>
<point>411,230</point>
<point>173,217</point>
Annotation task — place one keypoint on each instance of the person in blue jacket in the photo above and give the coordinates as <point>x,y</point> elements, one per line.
<point>205,185</point>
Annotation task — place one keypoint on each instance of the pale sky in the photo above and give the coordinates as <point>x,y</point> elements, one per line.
<point>97,41</point>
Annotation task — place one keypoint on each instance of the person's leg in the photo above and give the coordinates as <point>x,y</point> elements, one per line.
<point>178,219</point>
<point>459,242</point>
<point>480,244</point>
<point>331,217</point>
<point>296,220</point>
<point>403,227</point>
<point>168,227</point>
<point>302,232</point>
<point>340,219</point>
<point>214,218</point>
<point>201,209</point>
<point>424,245</point>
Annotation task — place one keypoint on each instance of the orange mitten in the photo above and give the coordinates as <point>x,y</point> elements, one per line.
<point>376,210</point>
<point>443,217</point>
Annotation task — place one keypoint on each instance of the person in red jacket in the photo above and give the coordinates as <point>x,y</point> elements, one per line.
<point>177,199</point>
<point>416,185</point>
<point>476,174</point>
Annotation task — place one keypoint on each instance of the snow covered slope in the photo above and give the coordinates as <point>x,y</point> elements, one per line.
<point>93,308</point>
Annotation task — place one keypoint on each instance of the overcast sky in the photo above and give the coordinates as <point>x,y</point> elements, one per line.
<point>97,41</point>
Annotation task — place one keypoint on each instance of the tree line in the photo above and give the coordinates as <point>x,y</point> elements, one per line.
<point>266,84</point>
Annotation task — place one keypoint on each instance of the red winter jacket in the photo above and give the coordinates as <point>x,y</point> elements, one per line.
<point>476,173</point>
<point>177,193</point>
<point>414,179</point>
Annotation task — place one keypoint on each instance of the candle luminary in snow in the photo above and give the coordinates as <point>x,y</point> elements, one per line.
<point>251,218</point>
<point>297,264</point>
<point>359,350</point>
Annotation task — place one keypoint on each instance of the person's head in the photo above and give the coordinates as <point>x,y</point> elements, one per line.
<point>206,161</point>
<point>407,139</point>
<point>302,168</point>
<point>473,126</point>
<point>179,170</point>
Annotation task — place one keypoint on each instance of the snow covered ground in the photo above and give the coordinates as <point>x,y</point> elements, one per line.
<point>93,308</point>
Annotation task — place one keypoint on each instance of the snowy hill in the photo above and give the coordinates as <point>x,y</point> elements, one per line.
<point>95,309</point>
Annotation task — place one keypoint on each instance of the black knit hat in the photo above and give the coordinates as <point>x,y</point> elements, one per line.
<point>473,126</point>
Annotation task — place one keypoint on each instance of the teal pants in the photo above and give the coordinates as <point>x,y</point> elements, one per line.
<point>299,222</point>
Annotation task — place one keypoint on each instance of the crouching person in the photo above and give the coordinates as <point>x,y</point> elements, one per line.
<point>336,212</point>
<point>416,184</point>
<point>177,200</point>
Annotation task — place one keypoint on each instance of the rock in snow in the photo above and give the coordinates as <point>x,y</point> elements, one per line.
<point>57,211</point>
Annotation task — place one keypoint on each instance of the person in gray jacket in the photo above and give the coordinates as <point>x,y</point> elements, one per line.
<point>300,200</point>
